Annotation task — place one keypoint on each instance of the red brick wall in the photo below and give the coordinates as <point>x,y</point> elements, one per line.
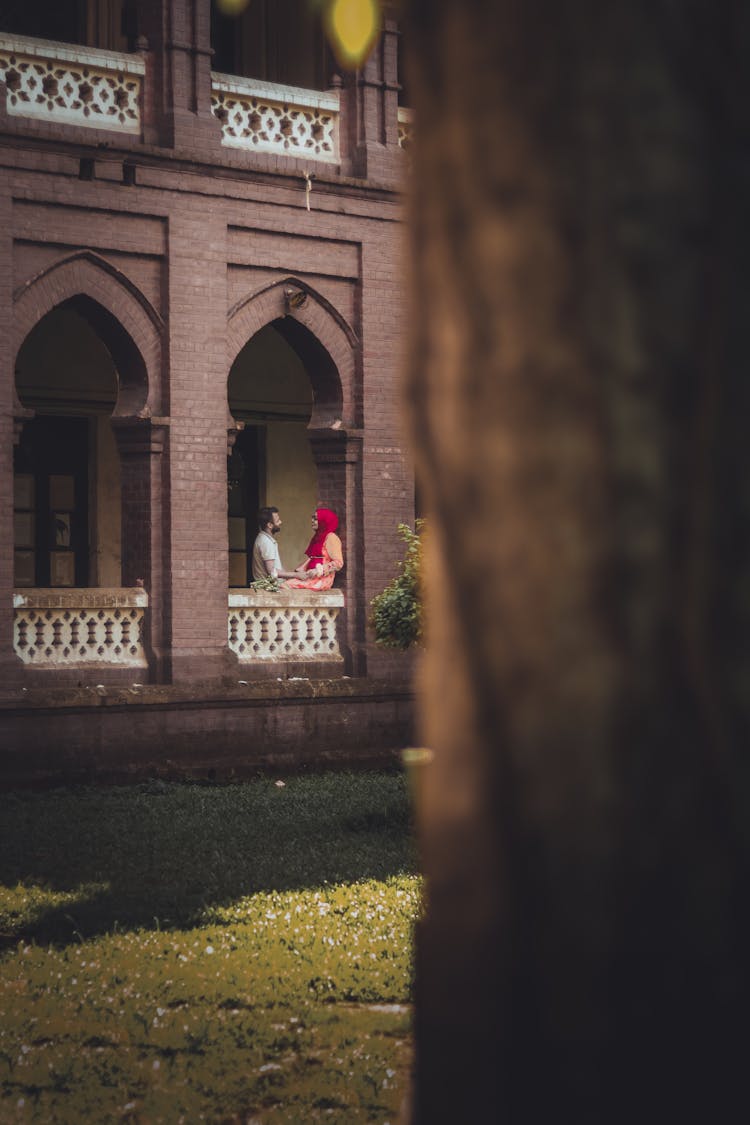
<point>191,260</point>
<point>117,735</point>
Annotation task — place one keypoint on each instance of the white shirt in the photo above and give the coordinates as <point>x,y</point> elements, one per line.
<point>265,549</point>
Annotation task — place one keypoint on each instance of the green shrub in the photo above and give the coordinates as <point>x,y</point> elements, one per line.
<point>397,612</point>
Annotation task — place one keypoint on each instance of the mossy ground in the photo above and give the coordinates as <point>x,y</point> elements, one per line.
<point>221,954</point>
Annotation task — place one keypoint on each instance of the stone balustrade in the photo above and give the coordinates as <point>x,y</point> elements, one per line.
<point>66,84</point>
<point>285,120</point>
<point>75,627</point>
<point>288,625</point>
<point>72,627</point>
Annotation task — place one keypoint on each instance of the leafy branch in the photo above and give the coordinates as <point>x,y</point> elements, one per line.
<point>396,616</point>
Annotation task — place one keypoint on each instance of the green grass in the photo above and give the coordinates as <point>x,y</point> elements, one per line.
<point>221,954</point>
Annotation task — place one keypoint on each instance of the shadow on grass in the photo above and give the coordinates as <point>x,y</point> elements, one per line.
<point>159,854</point>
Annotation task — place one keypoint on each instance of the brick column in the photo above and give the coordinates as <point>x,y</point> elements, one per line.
<point>176,38</point>
<point>198,444</point>
<point>387,477</point>
<point>370,112</point>
<point>142,444</point>
<point>338,459</point>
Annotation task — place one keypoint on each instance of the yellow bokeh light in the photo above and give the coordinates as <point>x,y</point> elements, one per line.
<point>352,28</point>
<point>232,7</point>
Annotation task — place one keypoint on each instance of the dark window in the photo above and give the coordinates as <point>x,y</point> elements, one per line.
<point>274,40</point>
<point>51,503</point>
<point>246,492</point>
<point>107,24</point>
<point>60,20</point>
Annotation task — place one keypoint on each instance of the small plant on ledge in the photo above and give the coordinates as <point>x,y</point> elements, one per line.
<point>269,584</point>
<point>396,616</point>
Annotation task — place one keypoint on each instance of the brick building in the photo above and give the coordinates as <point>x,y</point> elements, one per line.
<point>202,308</point>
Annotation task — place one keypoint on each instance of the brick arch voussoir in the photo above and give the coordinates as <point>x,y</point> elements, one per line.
<point>317,315</point>
<point>85,275</point>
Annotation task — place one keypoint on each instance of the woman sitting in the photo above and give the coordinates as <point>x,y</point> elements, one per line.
<point>324,554</point>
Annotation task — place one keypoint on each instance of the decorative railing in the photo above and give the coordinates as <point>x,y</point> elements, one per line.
<point>62,628</point>
<point>262,117</point>
<point>405,128</point>
<point>289,625</point>
<point>72,85</point>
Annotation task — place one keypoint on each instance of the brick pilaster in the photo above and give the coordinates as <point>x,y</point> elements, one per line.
<point>198,443</point>
<point>176,37</point>
<point>387,478</point>
<point>142,444</point>
<point>370,112</point>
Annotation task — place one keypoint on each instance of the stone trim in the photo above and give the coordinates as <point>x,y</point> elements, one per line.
<point>296,95</point>
<point>260,598</point>
<point>73,52</point>
<point>99,597</point>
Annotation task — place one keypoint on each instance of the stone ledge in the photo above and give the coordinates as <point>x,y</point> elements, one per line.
<point>99,597</point>
<point>198,695</point>
<point>177,733</point>
<point>263,599</point>
<point>231,166</point>
<point>297,96</point>
<point>73,53</point>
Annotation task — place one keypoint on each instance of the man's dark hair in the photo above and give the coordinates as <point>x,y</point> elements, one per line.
<point>265,515</point>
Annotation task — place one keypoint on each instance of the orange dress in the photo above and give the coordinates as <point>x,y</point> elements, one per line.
<point>333,560</point>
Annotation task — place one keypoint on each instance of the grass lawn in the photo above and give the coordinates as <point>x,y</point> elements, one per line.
<point>182,953</point>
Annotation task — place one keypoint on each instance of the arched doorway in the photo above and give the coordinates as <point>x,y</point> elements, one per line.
<point>67,478</point>
<point>88,475</point>
<point>312,336</point>
<point>271,462</point>
<point>86,482</point>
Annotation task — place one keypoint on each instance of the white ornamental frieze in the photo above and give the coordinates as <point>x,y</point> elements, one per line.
<point>72,86</point>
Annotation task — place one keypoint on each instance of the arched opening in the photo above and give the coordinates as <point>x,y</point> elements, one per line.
<point>271,399</point>
<point>67,473</point>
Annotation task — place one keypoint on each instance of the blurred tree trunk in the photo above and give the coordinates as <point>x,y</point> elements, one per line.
<point>579,390</point>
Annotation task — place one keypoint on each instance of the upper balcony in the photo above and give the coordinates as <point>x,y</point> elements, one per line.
<point>273,90</point>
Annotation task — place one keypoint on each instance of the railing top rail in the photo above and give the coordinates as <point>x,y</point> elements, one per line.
<point>287,95</point>
<point>91,597</point>
<point>73,52</point>
<point>285,599</point>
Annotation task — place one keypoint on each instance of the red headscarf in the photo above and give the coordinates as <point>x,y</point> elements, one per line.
<point>328,521</point>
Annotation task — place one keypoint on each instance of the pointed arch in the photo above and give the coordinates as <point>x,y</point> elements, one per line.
<point>316,330</point>
<point>117,310</point>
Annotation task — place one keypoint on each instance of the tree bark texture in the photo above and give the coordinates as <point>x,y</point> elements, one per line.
<point>578,386</point>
